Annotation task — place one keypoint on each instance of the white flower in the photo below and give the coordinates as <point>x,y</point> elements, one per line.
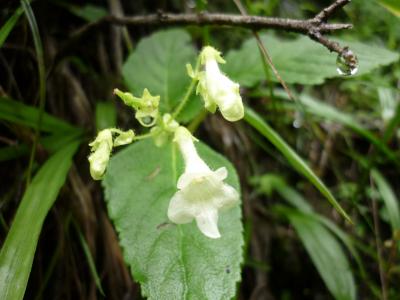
<point>202,191</point>
<point>217,89</point>
<point>101,148</point>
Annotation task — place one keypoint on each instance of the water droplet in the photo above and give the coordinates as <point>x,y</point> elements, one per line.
<point>147,121</point>
<point>347,62</point>
<point>298,120</point>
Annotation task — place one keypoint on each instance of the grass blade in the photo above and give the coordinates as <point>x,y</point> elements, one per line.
<point>325,252</point>
<point>42,77</point>
<point>9,25</point>
<point>269,182</point>
<point>90,261</point>
<point>293,158</point>
<point>389,199</point>
<point>392,126</point>
<point>328,112</point>
<point>391,5</point>
<point>26,115</point>
<point>18,250</point>
<point>51,143</point>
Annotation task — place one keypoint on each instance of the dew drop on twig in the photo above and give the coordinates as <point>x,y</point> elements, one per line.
<point>347,63</point>
<point>147,121</point>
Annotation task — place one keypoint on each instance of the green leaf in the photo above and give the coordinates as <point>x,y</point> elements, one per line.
<point>300,60</point>
<point>392,125</point>
<point>389,198</point>
<point>293,158</point>
<point>170,261</point>
<point>106,115</point>
<point>51,143</point>
<point>391,5</point>
<point>325,252</point>
<point>18,250</point>
<point>89,12</point>
<point>269,182</point>
<point>9,25</point>
<point>16,112</point>
<point>159,64</point>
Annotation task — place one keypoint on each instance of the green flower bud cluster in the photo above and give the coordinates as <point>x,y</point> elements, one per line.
<point>102,146</point>
<point>146,106</point>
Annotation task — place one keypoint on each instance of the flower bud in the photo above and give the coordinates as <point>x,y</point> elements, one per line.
<point>217,89</point>
<point>101,149</point>
<point>124,137</point>
<point>146,106</point>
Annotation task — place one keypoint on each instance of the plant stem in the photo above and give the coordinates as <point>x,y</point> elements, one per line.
<point>188,93</point>
<point>143,136</point>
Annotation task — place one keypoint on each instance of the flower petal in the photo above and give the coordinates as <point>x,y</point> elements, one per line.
<point>207,222</point>
<point>227,198</point>
<point>233,109</point>
<point>221,173</point>
<point>180,211</point>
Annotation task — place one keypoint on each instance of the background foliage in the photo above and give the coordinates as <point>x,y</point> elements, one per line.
<point>338,141</point>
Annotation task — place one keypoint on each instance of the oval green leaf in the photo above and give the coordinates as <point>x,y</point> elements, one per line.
<point>170,261</point>
<point>159,64</point>
<point>300,60</point>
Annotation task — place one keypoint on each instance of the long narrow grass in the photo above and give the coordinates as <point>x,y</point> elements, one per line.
<point>42,78</point>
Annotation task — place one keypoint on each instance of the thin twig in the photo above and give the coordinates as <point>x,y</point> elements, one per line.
<point>265,53</point>
<point>308,27</point>
<point>271,64</point>
<point>314,28</point>
<point>251,22</point>
<point>328,11</point>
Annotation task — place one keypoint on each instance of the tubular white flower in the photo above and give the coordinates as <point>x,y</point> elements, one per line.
<point>201,191</point>
<point>217,89</point>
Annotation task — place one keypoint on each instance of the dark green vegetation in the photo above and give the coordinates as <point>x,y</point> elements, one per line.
<point>336,146</point>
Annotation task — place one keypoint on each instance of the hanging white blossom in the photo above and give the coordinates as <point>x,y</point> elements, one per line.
<point>201,191</point>
<point>217,89</point>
